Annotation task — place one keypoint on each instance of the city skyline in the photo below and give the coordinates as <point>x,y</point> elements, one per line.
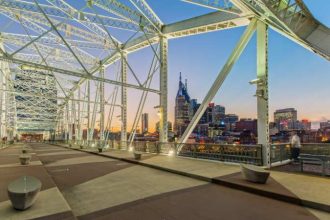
<point>182,92</point>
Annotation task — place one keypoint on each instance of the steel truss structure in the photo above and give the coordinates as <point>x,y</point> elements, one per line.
<point>57,61</point>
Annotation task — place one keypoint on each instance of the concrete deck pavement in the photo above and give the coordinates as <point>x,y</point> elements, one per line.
<point>311,191</point>
<point>86,186</point>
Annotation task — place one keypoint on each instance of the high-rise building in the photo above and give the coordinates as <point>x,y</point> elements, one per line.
<point>185,109</point>
<point>218,113</point>
<point>193,107</point>
<point>286,119</point>
<point>145,123</point>
<point>229,121</point>
<point>306,125</point>
<point>247,124</point>
<point>325,124</point>
<point>182,109</point>
<point>213,113</point>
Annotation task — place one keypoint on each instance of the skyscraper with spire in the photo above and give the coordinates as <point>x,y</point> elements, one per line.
<point>182,108</point>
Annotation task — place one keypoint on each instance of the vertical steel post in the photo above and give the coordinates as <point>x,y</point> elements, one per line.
<point>123,135</point>
<point>70,114</point>
<point>262,91</point>
<point>7,120</point>
<point>2,97</point>
<point>79,115</point>
<point>163,126</point>
<point>74,118</point>
<point>88,110</point>
<point>102,107</point>
<point>1,102</point>
<point>67,122</point>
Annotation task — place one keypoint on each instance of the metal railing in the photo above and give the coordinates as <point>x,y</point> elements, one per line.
<point>251,154</point>
<point>4,144</point>
<point>282,152</point>
<point>316,149</point>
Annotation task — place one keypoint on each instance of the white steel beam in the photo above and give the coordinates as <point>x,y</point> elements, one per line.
<point>79,15</point>
<point>72,73</point>
<point>2,104</point>
<point>221,5</point>
<point>163,126</point>
<point>262,91</point>
<point>78,135</point>
<point>219,80</point>
<point>102,107</point>
<point>123,134</point>
<point>147,13</point>
<point>88,110</point>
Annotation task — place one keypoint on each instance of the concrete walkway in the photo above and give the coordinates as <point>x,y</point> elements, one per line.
<point>307,190</point>
<point>303,189</point>
<point>85,185</point>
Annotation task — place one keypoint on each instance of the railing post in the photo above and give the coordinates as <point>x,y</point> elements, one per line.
<point>194,151</point>
<point>146,146</point>
<point>175,148</point>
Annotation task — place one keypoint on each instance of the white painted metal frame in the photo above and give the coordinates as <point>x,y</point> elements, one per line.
<point>59,38</point>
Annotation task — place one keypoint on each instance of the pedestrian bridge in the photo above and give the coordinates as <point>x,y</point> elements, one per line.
<point>57,58</point>
<point>65,74</point>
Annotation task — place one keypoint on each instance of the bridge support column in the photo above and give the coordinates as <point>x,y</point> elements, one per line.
<point>74,120</point>
<point>79,118</point>
<point>88,112</point>
<point>1,102</point>
<point>123,134</point>
<point>70,120</point>
<point>67,126</point>
<point>163,126</point>
<point>245,38</point>
<point>262,91</point>
<point>102,108</point>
